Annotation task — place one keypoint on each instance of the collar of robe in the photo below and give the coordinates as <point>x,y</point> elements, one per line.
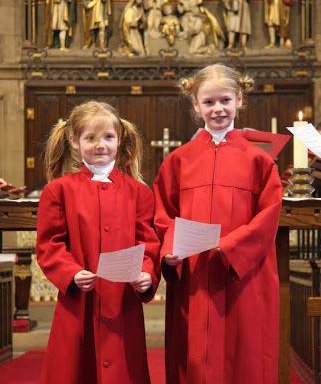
<point>100,172</point>
<point>219,135</point>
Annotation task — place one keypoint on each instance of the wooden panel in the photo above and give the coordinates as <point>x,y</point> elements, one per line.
<point>72,101</point>
<point>137,109</point>
<point>255,112</point>
<point>46,113</point>
<point>146,111</point>
<point>158,106</point>
<point>301,326</point>
<point>174,113</point>
<point>300,217</point>
<point>314,306</point>
<point>282,247</point>
<point>18,216</point>
<point>284,103</point>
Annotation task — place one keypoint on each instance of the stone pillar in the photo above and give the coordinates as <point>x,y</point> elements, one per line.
<point>11,96</point>
<point>11,91</point>
<point>317,80</point>
<point>317,29</point>
<point>259,36</point>
<point>317,100</point>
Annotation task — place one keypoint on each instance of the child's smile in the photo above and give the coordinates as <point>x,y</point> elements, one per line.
<point>216,105</point>
<point>98,145</point>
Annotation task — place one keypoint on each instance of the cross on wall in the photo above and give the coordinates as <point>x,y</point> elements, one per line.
<point>165,143</point>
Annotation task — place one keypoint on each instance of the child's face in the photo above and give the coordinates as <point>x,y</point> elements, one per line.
<point>217,105</point>
<point>97,143</point>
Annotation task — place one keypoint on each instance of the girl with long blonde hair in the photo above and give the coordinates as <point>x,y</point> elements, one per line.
<point>95,202</point>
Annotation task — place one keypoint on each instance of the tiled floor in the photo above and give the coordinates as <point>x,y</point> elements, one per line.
<point>43,313</point>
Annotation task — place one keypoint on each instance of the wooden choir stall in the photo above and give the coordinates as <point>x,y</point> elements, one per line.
<point>19,215</point>
<point>299,270</point>
<point>6,291</point>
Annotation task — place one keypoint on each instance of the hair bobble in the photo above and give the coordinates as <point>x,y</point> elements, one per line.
<point>186,85</point>
<point>246,84</point>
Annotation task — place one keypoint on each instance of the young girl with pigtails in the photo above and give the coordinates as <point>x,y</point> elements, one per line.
<point>222,306</point>
<point>95,202</point>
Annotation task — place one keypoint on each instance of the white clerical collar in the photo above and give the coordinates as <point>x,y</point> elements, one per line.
<point>100,172</point>
<point>219,135</point>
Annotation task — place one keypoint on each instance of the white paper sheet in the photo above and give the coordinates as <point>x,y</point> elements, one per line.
<point>8,257</point>
<point>192,237</point>
<point>309,136</point>
<point>121,266</point>
<point>22,200</point>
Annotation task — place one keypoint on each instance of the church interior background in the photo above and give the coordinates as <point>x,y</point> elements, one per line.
<point>55,54</point>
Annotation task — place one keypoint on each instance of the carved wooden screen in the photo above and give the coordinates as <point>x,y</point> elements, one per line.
<point>152,106</point>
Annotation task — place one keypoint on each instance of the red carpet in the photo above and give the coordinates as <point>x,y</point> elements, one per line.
<point>26,368</point>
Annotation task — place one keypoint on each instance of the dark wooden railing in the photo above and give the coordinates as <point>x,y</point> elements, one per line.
<point>305,283</point>
<point>307,244</point>
<point>6,288</point>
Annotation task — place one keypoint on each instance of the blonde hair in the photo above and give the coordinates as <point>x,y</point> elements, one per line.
<point>221,75</point>
<point>61,157</point>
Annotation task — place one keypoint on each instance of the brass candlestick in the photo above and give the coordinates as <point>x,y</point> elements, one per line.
<point>300,183</point>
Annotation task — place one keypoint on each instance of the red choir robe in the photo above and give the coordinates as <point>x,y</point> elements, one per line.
<point>99,336</point>
<point>222,306</point>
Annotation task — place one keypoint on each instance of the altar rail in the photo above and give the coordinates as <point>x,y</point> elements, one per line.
<point>306,244</point>
<point>304,283</point>
<point>6,284</point>
<point>305,331</point>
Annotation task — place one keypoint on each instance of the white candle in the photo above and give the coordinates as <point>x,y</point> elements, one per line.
<point>300,151</point>
<point>274,125</point>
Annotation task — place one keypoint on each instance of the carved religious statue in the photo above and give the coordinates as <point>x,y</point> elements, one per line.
<point>59,19</point>
<point>184,8</point>
<point>154,17</point>
<point>214,32</point>
<point>170,25</point>
<point>149,27</point>
<point>96,22</point>
<point>238,21</point>
<point>277,19</point>
<point>131,27</point>
<point>197,33</point>
<point>200,27</point>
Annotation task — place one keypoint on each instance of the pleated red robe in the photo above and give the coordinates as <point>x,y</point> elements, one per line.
<point>222,308</point>
<point>99,336</point>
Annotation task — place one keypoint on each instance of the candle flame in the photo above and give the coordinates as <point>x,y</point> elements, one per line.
<point>300,114</point>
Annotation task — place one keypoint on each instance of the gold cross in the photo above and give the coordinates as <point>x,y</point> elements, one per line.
<point>165,143</point>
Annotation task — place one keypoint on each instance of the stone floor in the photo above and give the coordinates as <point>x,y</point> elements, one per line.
<point>42,312</point>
